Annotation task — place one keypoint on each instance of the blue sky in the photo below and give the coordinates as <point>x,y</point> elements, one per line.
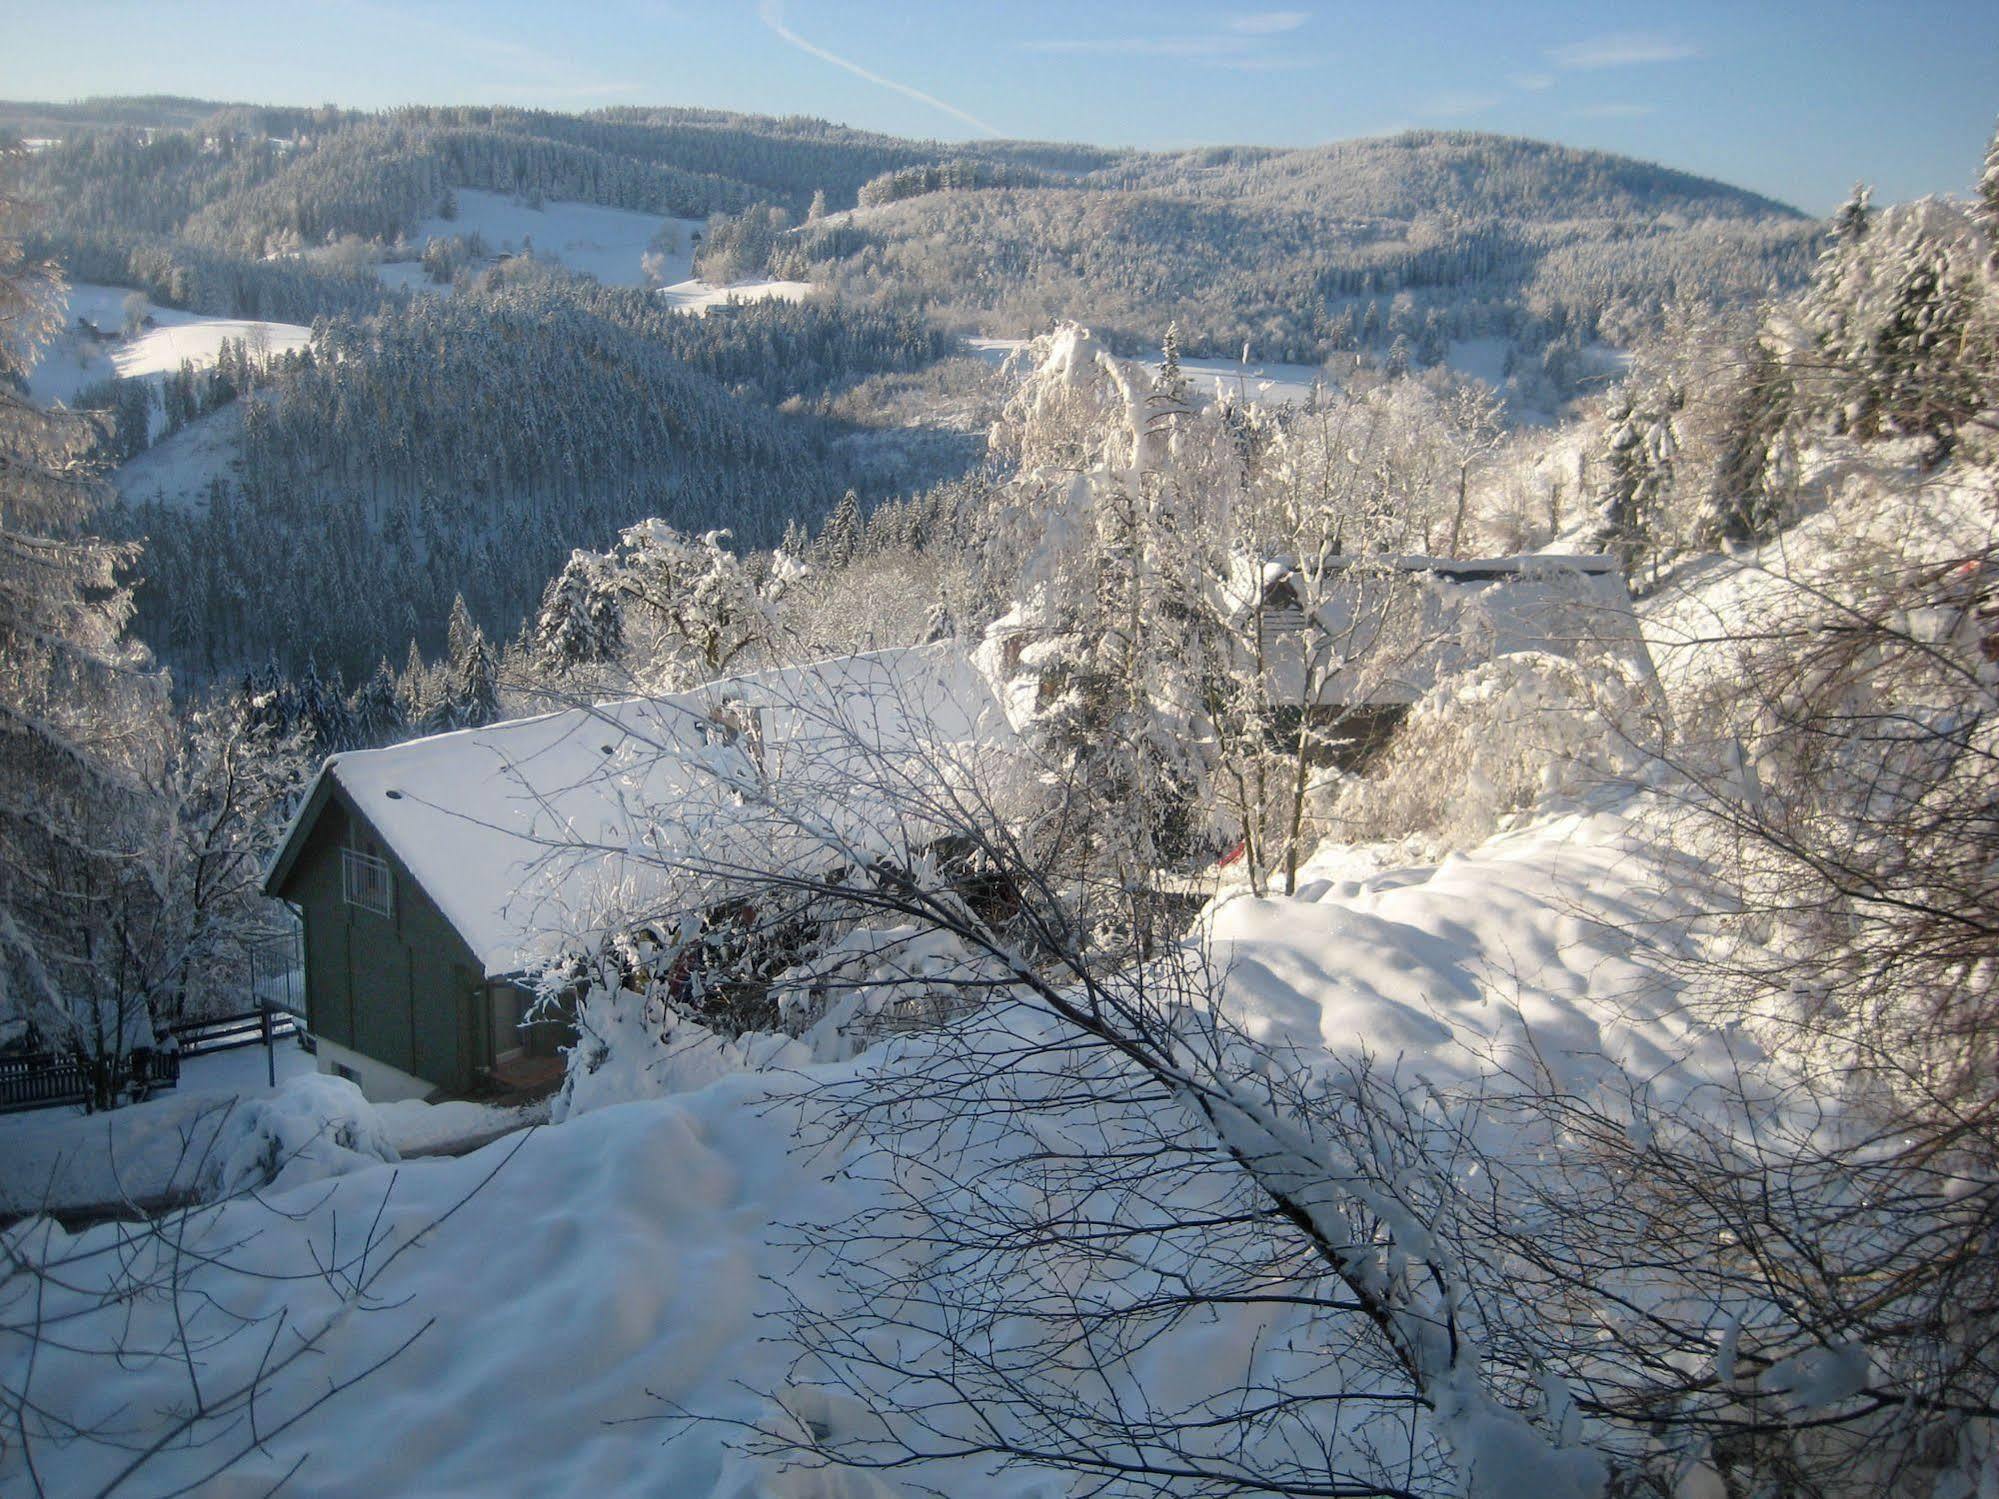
<point>1793,99</point>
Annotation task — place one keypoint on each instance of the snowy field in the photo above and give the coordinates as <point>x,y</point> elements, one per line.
<point>75,359</point>
<point>699,296</point>
<point>177,470</point>
<point>606,243</point>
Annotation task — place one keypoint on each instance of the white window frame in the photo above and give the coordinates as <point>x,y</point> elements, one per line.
<point>367,882</point>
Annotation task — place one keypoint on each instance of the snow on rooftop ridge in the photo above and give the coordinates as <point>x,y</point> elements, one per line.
<point>538,834</point>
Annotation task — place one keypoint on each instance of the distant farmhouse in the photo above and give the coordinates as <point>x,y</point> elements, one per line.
<point>1353,647</point>
<point>1350,642</point>
<point>434,879</point>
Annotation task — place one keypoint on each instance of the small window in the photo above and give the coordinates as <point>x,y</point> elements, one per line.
<point>364,882</point>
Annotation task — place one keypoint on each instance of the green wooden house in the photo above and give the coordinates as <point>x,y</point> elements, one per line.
<point>434,879</point>
<point>396,999</point>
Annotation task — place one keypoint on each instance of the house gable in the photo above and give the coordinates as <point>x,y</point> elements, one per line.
<point>389,978</point>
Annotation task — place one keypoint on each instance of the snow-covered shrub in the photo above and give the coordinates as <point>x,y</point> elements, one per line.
<point>878,980</point>
<point>633,1043</point>
<point>1507,736</point>
<point>316,1126</point>
<point>638,1036</point>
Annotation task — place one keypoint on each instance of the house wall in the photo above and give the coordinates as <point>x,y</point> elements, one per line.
<point>398,989</point>
<point>379,1082</point>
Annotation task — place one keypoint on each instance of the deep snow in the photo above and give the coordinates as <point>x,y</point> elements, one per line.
<point>627,1250</point>
<point>179,1142</point>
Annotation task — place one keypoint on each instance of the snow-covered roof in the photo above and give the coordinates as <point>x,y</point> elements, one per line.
<point>1384,630</point>
<point>537,834</point>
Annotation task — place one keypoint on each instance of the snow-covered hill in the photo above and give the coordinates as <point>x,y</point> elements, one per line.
<point>607,243</point>
<point>79,356</point>
<point>178,470</point>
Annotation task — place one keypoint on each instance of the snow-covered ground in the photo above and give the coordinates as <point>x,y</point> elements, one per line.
<point>699,296</point>
<point>177,470</point>
<point>68,1161</point>
<point>607,243</point>
<point>76,359</point>
<point>621,1265</point>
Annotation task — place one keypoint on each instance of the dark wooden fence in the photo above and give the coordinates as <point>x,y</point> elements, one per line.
<point>37,1080</point>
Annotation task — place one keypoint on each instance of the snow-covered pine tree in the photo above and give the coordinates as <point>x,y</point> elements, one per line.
<point>939,625</point>
<point>1618,522</point>
<point>82,716</point>
<point>1751,493</point>
<point>415,694</point>
<point>1985,210</point>
<point>1919,377</point>
<point>839,540</point>
<point>376,708</point>
<point>475,697</point>
<point>1851,219</point>
<point>1172,380</point>
<point>459,630</point>
<point>579,622</point>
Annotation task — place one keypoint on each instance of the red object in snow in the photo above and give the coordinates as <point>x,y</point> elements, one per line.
<point>1232,855</point>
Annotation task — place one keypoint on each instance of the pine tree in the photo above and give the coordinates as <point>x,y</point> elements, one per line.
<point>840,541</point>
<point>459,631</point>
<point>1850,221</point>
<point>475,696</point>
<point>1921,381</point>
<point>1172,382</point>
<point>83,731</point>
<point>818,209</point>
<point>579,622</point>
<point>376,708</point>
<point>413,689</point>
<point>1620,522</point>
<point>939,625</point>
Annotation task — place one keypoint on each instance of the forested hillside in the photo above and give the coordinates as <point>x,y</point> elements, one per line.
<point>430,448</point>
<point>465,446</point>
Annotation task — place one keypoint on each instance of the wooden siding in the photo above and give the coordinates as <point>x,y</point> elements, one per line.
<point>399,988</point>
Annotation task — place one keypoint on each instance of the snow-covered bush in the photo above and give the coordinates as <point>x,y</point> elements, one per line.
<point>633,1043</point>
<point>1503,738</point>
<point>639,1035</point>
<point>878,980</point>
<point>316,1126</point>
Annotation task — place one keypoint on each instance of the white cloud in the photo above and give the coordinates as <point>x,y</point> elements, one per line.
<point>1621,50</point>
<point>771,13</point>
<point>1269,22</point>
<point>1532,83</point>
<point>1242,43</point>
